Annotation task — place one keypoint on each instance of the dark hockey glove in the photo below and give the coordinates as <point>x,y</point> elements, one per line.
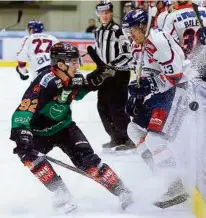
<point>22,73</point>
<point>134,106</point>
<point>24,141</point>
<point>97,77</point>
<point>147,85</point>
<point>77,81</point>
<point>201,35</point>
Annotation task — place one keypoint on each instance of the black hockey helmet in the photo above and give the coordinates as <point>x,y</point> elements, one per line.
<point>63,51</point>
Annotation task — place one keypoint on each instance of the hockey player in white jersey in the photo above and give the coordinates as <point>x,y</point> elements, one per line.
<point>184,26</point>
<point>34,50</point>
<point>161,14</point>
<point>153,99</point>
<point>187,25</point>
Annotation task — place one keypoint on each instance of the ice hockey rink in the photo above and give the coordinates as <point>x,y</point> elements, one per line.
<point>22,196</point>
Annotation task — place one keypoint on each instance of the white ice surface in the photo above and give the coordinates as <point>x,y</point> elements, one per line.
<point>22,196</point>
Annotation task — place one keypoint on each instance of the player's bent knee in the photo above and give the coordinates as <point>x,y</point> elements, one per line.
<point>155,142</point>
<point>90,160</point>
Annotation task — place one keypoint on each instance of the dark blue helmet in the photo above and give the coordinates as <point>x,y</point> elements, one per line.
<point>130,4</point>
<point>36,25</point>
<point>136,17</point>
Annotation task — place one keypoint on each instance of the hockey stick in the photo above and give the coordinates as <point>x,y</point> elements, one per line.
<point>20,13</point>
<point>195,8</point>
<point>69,167</point>
<point>194,105</point>
<point>83,55</point>
<point>59,163</point>
<point>152,12</point>
<point>92,53</point>
<point>197,15</point>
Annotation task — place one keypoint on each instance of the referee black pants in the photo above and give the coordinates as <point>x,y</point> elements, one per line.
<point>112,98</point>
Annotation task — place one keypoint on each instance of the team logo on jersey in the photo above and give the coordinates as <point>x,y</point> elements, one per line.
<point>149,47</point>
<point>57,111</point>
<point>64,96</point>
<point>45,80</point>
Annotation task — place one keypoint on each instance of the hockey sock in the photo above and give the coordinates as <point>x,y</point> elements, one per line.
<point>45,173</point>
<point>104,175</point>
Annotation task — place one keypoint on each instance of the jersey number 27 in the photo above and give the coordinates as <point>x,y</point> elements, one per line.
<point>39,42</point>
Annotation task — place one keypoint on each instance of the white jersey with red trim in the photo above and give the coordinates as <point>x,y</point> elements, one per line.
<point>183,25</point>
<point>161,19</point>
<point>35,49</point>
<point>165,60</point>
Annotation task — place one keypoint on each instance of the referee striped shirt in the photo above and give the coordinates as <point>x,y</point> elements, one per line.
<point>109,46</point>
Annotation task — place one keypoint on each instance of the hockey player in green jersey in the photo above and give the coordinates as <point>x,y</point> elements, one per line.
<point>43,120</point>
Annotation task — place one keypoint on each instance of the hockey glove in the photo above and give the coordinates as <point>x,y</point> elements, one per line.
<point>201,35</point>
<point>22,73</point>
<point>24,141</point>
<point>77,81</point>
<point>134,106</point>
<point>97,77</point>
<point>147,85</point>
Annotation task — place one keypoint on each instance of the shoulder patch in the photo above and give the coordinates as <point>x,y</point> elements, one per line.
<point>59,83</point>
<point>115,27</point>
<point>150,47</point>
<point>46,78</point>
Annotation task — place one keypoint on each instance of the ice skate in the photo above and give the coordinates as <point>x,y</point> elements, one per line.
<point>110,180</point>
<point>127,146</point>
<point>125,199</point>
<point>63,201</point>
<point>176,195</point>
<point>110,146</point>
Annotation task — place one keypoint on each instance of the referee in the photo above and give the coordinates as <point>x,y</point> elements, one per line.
<point>113,94</point>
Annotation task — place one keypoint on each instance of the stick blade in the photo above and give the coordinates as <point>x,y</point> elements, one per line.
<point>92,53</point>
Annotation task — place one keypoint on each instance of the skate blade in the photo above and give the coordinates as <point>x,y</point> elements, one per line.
<point>108,151</point>
<point>126,204</point>
<point>177,200</point>
<point>66,209</point>
<point>126,152</point>
<point>115,151</point>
